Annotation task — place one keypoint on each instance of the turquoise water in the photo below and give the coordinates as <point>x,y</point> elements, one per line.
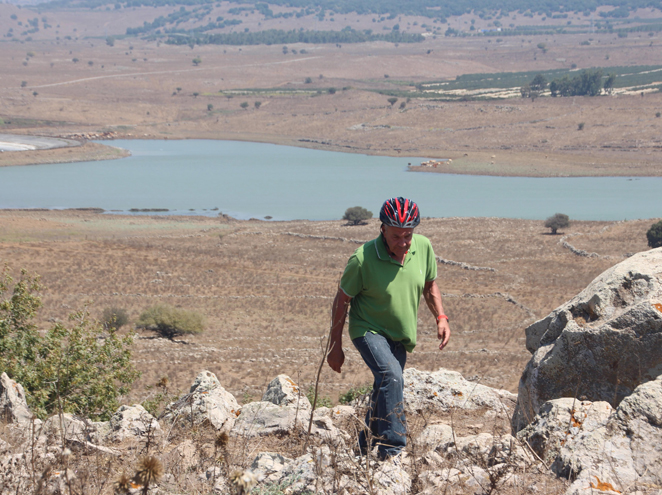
<point>255,180</point>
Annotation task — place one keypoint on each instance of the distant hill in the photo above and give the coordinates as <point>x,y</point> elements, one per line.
<point>434,9</point>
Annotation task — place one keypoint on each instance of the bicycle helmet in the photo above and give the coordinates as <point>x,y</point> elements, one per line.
<point>400,212</point>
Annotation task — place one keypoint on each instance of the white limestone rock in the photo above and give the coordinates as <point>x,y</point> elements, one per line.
<point>132,422</point>
<point>282,391</point>
<point>600,345</point>
<point>206,401</point>
<point>445,389</point>
<point>13,405</point>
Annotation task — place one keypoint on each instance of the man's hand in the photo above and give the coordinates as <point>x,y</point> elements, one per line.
<point>336,358</point>
<point>443,332</point>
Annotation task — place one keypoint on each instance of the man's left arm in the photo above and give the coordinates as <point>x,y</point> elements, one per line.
<point>432,296</point>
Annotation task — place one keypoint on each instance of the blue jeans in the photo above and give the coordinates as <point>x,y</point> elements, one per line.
<point>386,414</point>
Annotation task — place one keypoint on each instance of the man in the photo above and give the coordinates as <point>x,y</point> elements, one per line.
<point>384,280</point>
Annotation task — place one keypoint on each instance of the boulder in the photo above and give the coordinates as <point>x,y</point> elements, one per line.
<point>266,418</point>
<point>445,390</point>
<point>282,391</point>
<point>73,428</point>
<point>600,345</point>
<point>433,436</point>
<point>207,401</point>
<point>599,447</point>
<point>268,466</point>
<point>13,406</point>
<point>132,422</point>
<point>284,409</point>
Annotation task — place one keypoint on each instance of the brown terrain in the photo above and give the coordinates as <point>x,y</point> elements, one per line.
<point>266,288</point>
<point>149,89</point>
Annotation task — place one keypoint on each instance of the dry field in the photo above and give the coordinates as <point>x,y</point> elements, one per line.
<point>143,89</point>
<point>266,288</point>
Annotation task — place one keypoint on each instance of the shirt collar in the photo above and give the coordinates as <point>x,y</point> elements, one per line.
<point>382,252</point>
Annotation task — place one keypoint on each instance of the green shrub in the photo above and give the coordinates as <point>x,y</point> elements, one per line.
<point>171,322</point>
<point>354,393</point>
<point>558,221</point>
<point>321,401</point>
<point>356,215</point>
<point>83,369</point>
<point>114,318</point>
<point>654,235</point>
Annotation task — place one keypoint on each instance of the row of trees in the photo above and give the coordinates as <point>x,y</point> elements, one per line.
<point>281,37</point>
<point>589,82</point>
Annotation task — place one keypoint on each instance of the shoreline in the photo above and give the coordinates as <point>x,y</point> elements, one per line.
<point>502,163</point>
<point>85,152</point>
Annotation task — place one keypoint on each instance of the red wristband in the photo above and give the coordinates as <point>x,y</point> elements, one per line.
<point>442,316</point>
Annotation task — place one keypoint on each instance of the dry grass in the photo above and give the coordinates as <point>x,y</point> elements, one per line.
<point>267,295</point>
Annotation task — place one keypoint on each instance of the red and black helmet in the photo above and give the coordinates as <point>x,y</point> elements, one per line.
<point>400,212</point>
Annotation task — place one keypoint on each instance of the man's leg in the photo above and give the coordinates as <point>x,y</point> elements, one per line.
<point>386,416</point>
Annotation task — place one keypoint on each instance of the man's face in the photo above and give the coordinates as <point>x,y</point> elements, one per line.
<point>398,239</point>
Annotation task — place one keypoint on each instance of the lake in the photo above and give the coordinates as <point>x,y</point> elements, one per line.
<point>247,180</point>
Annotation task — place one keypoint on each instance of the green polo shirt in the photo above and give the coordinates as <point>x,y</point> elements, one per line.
<point>385,294</point>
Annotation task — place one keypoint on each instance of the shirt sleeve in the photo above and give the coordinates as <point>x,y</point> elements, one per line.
<point>351,282</point>
<point>431,272</point>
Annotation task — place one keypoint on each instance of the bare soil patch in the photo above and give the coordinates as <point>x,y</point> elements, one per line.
<point>267,293</point>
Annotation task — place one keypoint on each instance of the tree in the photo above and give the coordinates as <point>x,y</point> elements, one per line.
<point>110,41</point>
<point>257,104</point>
<point>654,235</point>
<point>171,322</point>
<point>332,91</point>
<point>210,107</point>
<point>403,105</point>
<point>392,100</point>
<point>608,85</point>
<point>308,80</point>
<point>558,221</point>
<point>82,369</point>
<point>539,83</point>
<point>24,84</point>
<point>356,215</point>
<point>197,61</point>
<point>244,105</point>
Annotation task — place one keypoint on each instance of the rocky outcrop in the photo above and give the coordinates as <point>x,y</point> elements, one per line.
<point>284,409</point>
<point>13,406</point>
<point>599,447</point>
<point>282,391</point>
<point>132,422</point>
<point>602,344</point>
<point>213,460</point>
<point>444,390</point>
<point>206,401</point>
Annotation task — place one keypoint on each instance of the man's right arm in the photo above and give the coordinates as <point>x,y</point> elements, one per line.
<point>336,356</point>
